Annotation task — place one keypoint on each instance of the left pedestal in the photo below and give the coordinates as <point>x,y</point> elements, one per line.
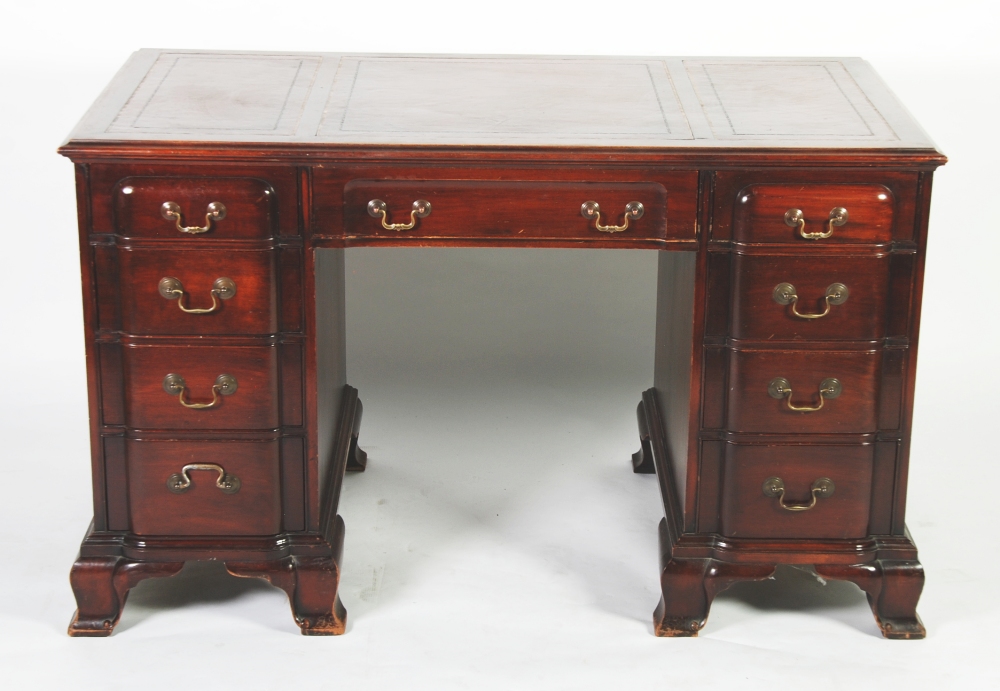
<point>221,421</point>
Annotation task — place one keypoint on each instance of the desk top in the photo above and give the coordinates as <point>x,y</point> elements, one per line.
<point>332,100</point>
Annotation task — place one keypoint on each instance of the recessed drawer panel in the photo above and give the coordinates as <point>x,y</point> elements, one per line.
<point>517,211</point>
<point>204,487</point>
<point>178,208</point>
<point>201,387</point>
<point>814,214</point>
<point>198,292</point>
<point>807,391</point>
<point>809,297</point>
<point>797,491</point>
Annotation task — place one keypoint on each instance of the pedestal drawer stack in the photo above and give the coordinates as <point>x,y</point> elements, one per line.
<point>200,349</point>
<point>807,375</point>
<point>198,360</point>
<point>805,358</point>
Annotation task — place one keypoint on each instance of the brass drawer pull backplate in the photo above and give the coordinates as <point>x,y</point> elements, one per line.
<point>633,211</point>
<point>225,384</point>
<point>779,388</point>
<point>179,483</point>
<point>171,211</point>
<point>785,294</point>
<point>795,217</point>
<point>421,209</point>
<point>821,489</point>
<point>222,288</point>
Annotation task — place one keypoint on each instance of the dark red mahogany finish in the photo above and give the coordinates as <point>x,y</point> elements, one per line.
<point>243,460</point>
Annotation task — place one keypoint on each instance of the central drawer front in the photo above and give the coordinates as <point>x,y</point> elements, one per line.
<point>250,309</point>
<point>521,211</point>
<point>752,408</point>
<point>253,404</point>
<point>203,508</point>
<point>749,511</point>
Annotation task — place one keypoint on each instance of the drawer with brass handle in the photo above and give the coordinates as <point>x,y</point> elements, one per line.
<point>421,208</point>
<point>592,210</point>
<point>181,482</point>
<point>225,385</point>
<point>781,388</point>
<point>803,391</point>
<point>796,490</point>
<point>786,294</point>
<point>198,291</point>
<point>204,487</point>
<point>814,214</point>
<point>201,387</point>
<point>826,298</point>
<point>223,288</point>
<point>490,211</point>
<point>377,208</point>
<point>172,211</point>
<point>822,487</point>
<point>179,207</point>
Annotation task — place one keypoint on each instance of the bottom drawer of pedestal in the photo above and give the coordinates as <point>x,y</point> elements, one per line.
<point>204,487</point>
<point>797,490</point>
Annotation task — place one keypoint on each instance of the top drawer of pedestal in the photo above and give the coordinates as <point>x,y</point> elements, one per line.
<point>813,215</point>
<point>170,208</point>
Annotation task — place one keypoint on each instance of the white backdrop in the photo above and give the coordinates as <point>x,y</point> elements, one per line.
<point>498,539</point>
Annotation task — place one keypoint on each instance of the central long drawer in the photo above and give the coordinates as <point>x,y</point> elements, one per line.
<point>557,207</point>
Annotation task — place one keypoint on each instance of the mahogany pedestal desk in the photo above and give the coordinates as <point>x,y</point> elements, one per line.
<point>787,200</point>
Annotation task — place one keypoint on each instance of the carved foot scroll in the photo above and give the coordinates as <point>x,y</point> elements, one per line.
<point>357,459</point>
<point>101,585</point>
<point>642,460</point>
<point>311,584</point>
<point>893,588</point>
<point>689,586</point>
<point>684,604</point>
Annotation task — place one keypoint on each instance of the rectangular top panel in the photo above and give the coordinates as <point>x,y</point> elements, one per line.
<point>499,101</point>
<point>459,100</point>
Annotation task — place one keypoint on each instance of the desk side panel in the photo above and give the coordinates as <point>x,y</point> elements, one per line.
<point>329,354</point>
<point>675,315</point>
<point>908,385</point>
<point>89,294</point>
